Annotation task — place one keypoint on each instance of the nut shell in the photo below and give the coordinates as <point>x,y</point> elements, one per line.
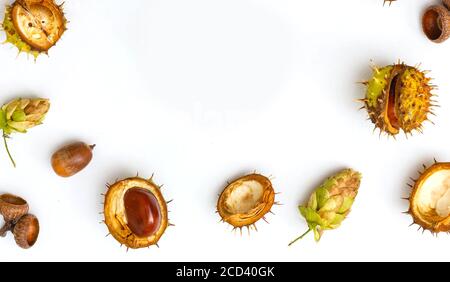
<point>426,216</point>
<point>436,23</point>
<point>12,207</point>
<point>40,23</point>
<point>26,231</point>
<point>246,200</point>
<point>115,214</point>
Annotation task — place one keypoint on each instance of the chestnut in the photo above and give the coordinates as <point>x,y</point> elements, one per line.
<point>142,211</point>
<point>135,212</point>
<point>71,159</point>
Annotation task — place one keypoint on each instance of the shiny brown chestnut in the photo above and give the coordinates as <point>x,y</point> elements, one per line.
<point>71,159</point>
<point>142,212</point>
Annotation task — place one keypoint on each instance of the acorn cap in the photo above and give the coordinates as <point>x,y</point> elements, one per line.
<point>436,23</point>
<point>26,231</point>
<point>446,3</point>
<point>12,207</point>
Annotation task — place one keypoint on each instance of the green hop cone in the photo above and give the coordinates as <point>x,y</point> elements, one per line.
<point>19,115</point>
<point>329,205</point>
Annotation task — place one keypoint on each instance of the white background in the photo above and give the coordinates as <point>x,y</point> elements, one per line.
<point>200,92</point>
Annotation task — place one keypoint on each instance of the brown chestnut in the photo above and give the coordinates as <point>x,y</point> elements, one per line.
<point>26,231</point>
<point>12,207</point>
<point>142,212</point>
<point>72,158</point>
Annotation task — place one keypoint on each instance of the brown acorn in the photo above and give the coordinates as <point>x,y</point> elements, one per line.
<point>436,23</point>
<point>246,200</point>
<point>71,159</point>
<point>26,231</point>
<point>12,207</point>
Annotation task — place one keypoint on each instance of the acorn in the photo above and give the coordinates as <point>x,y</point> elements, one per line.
<point>135,212</point>
<point>26,231</point>
<point>436,23</point>
<point>71,159</point>
<point>12,207</point>
<point>246,200</point>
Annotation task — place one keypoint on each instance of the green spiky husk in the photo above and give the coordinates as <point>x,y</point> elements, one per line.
<point>412,98</point>
<point>13,37</point>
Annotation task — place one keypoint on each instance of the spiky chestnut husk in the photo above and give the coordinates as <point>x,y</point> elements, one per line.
<point>429,201</point>
<point>398,97</point>
<point>135,212</point>
<point>436,23</point>
<point>34,26</point>
<point>246,200</point>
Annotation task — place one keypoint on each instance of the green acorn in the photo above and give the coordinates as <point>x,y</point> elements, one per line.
<point>329,205</point>
<point>19,115</point>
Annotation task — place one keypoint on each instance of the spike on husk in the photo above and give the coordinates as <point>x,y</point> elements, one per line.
<point>429,201</point>
<point>136,212</point>
<point>398,98</point>
<point>246,200</point>
<point>388,1</point>
<point>34,26</point>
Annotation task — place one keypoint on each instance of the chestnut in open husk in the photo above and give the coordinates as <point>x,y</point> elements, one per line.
<point>135,212</point>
